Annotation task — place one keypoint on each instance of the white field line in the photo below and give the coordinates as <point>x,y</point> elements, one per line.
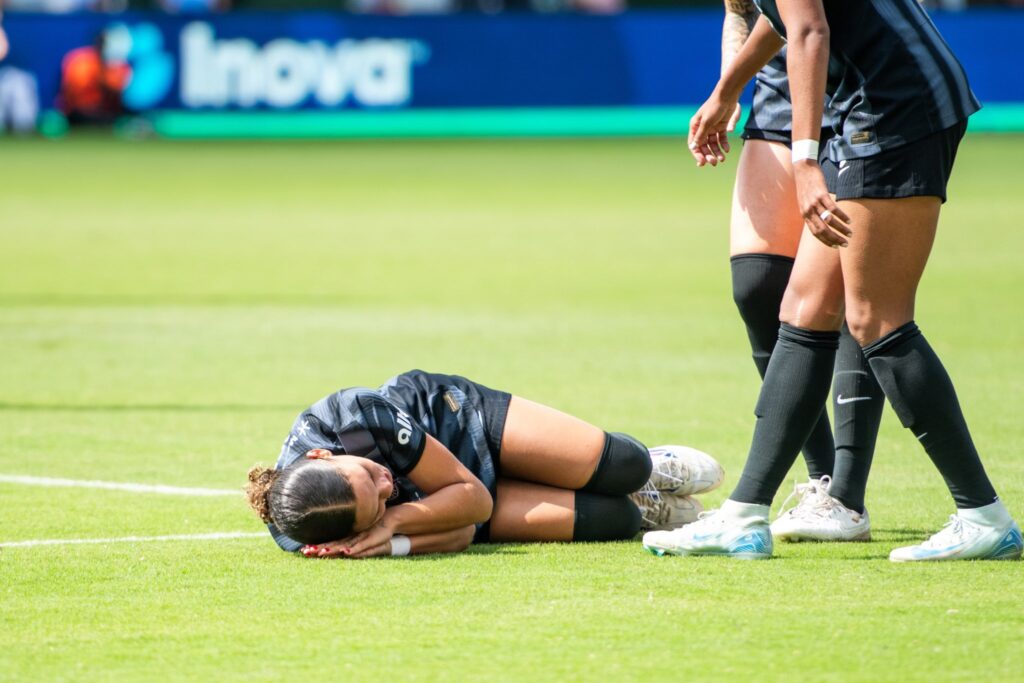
<point>115,486</point>
<point>136,539</point>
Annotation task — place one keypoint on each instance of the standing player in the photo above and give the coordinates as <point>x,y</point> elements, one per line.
<point>430,462</point>
<point>764,233</point>
<point>903,101</point>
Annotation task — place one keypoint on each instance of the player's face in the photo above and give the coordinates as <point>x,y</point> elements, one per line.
<point>372,485</point>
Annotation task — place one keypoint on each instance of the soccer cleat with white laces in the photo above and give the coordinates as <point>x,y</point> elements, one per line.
<point>964,538</point>
<point>715,533</point>
<point>660,510</point>
<point>684,471</point>
<point>820,517</point>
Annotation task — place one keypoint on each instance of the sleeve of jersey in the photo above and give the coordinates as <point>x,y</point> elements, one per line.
<point>398,438</point>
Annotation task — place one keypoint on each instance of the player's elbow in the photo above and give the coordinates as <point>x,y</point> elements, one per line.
<point>481,505</point>
<point>809,34</point>
<point>462,539</point>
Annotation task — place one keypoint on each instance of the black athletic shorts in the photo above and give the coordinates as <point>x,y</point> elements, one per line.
<point>918,169</point>
<point>784,136</point>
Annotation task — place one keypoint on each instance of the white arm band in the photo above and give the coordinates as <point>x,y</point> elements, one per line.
<point>400,545</point>
<point>805,149</point>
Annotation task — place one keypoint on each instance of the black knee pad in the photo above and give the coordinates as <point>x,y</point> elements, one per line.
<point>605,518</point>
<point>758,283</point>
<point>624,467</point>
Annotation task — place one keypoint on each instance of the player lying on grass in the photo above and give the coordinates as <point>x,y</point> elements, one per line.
<point>903,101</point>
<point>429,463</point>
<point>764,233</point>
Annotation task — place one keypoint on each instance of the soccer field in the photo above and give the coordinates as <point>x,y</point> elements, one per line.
<point>166,309</point>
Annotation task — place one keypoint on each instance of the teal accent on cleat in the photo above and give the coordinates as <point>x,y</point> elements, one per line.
<point>715,534</point>
<point>961,539</point>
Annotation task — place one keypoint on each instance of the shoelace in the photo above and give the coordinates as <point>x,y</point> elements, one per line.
<point>671,467</point>
<point>652,505</point>
<point>951,532</point>
<point>804,491</point>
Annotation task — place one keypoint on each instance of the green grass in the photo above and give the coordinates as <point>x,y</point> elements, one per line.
<point>167,308</point>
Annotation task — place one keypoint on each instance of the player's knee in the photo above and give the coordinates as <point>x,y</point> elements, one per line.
<point>605,518</point>
<point>869,323</point>
<point>624,467</point>
<point>812,310</point>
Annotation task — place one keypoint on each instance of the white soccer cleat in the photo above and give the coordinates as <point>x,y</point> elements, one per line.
<point>714,534</point>
<point>661,510</point>
<point>962,539</point>
<point>820,517</point>
<point>684,471</point>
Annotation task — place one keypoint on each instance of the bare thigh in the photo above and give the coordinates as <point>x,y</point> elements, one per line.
<point>882,267</point>
<point>546,446</point>
<point>532,512</point>
<point>814,296</point>
<point>765,217</point>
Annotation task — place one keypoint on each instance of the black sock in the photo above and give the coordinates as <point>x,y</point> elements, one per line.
<point>921,393</point>
<point>605,518</point>
<point>857,404</point>
<point>758,283</point>
<point>794,389</point>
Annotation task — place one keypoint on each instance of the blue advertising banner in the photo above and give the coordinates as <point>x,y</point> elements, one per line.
<point>326,62</point>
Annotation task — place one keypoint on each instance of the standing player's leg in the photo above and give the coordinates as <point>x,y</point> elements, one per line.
<point>883,267</point>
<point>794,388</point>
<point>857,404</point>
<point>764,234</point>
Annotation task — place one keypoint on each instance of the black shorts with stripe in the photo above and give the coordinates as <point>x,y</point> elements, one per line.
<point>919,169</point>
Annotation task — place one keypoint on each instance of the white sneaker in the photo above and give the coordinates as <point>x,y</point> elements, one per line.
<point>684,471</point>
<point>714,534</point>
<point>820,517</point>
<point>962,539</point>
<point>661,510</point>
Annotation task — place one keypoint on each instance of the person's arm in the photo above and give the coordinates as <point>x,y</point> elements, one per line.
<point>807,70</point>
<point>707,139</point>
<point>454,541</point>
<point>740,18</point>
<point>455,500</point>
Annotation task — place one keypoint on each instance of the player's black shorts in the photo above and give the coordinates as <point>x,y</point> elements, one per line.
<point>784,137</point>
<point>918,169</point>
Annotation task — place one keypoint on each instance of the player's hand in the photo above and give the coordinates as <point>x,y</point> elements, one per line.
<point>377,535</point>
<point>373,542</point>
<point>708,139</point>
<point>822,215</point>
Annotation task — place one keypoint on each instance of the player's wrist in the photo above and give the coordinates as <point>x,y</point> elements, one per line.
<point>805,150</point>
<point>400,545</point>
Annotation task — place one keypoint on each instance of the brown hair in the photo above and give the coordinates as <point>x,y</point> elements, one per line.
<point>261,480</point>
<point>308,501</point>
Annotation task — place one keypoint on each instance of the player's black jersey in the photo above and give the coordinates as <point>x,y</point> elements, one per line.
<point>389,426</point>
<point>892,79</point>
<point>771,109</point>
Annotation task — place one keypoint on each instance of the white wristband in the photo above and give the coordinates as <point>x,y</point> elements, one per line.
<point>400,545</point>
<point>805,149</point>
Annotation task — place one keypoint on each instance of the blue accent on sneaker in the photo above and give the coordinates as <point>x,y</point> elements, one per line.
<point>756,545</point>
<point>1010,546</point>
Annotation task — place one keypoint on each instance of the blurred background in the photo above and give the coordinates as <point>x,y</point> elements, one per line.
<point>406,68</point>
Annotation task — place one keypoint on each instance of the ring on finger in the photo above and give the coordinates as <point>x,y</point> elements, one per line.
<point>825,215</point>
